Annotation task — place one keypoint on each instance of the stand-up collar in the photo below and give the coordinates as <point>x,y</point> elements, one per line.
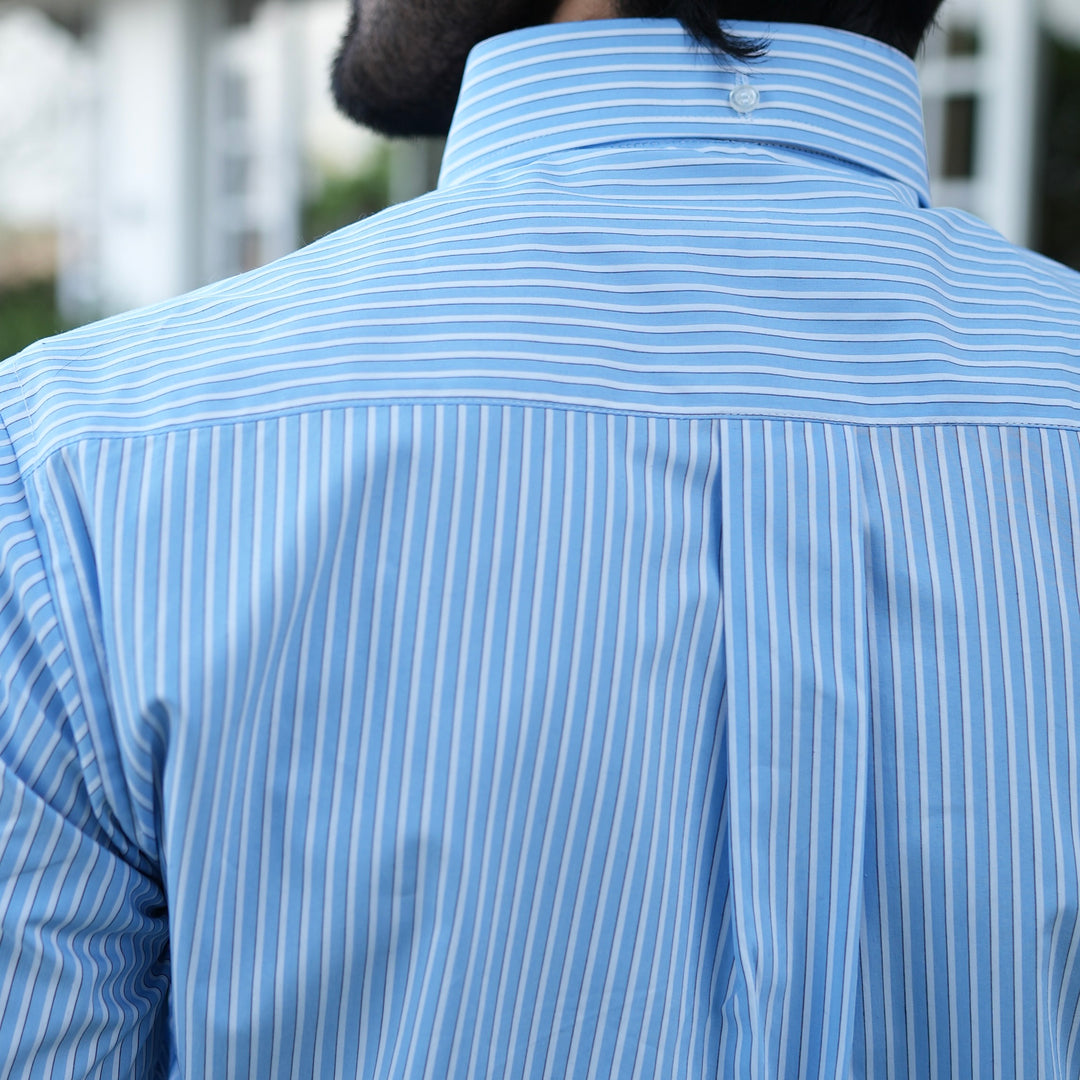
<point>565,86</point>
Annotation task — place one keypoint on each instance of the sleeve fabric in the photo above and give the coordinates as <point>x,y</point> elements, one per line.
<point>83,920</point>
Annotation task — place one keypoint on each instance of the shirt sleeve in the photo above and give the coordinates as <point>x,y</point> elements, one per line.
<point>83,938</point>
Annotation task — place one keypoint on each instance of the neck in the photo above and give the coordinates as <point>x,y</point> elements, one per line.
<point>580,10</point>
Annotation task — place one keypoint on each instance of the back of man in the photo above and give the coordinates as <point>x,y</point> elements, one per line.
<point>614,616</point>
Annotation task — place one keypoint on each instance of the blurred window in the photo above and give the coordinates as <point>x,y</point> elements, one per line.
<point>962,40</point>
<point>958,151</point>
<point>234,98</point>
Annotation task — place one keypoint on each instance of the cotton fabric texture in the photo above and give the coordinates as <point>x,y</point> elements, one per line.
<point>614,616</point>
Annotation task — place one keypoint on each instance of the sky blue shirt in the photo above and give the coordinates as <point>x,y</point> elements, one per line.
<point>615,616</point>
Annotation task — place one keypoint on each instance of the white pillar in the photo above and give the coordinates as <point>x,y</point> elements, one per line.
<point>281,181</point>
<point>254,140</point>
<point>1007,128</point>
<point>414,167</point>
<point>151,180</point>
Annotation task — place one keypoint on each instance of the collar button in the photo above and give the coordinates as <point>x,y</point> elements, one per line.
<point>744,99</point>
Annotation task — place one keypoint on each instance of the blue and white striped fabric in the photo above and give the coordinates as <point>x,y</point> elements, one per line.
<point>615,616</point>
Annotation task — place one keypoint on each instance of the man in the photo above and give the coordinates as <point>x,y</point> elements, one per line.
<point>616,615</point>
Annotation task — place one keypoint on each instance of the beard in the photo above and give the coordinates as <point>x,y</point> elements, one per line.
<point>400,63</point>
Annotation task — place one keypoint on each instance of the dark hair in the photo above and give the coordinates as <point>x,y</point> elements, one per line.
<point>900,23</point>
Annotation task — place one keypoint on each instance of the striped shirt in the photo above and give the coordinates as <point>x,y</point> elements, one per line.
<point>615,616</point>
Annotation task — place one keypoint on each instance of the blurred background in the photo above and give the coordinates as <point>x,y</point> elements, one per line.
<point>150,146</point>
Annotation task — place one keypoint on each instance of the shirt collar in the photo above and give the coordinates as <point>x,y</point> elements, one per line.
<point>566,86</point>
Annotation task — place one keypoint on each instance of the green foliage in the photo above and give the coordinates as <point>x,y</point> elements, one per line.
<point>345,199</point>
<point>1059,231</point>
<point>27,313</point>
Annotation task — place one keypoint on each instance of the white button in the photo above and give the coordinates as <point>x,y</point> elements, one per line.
<point>744,98</point>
